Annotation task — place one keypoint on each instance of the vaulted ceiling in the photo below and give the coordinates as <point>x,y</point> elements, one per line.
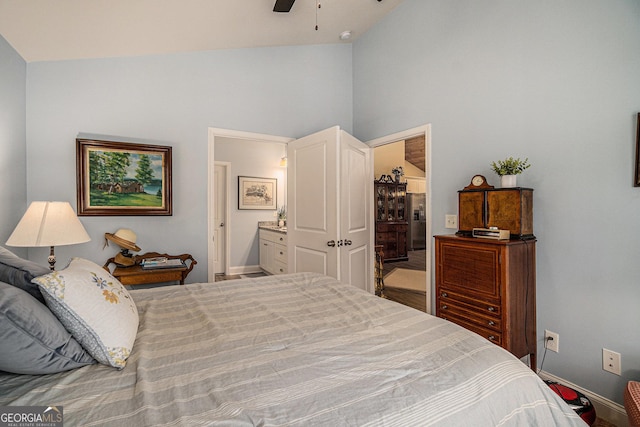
<point>414,151</point>
<point>46,30</point>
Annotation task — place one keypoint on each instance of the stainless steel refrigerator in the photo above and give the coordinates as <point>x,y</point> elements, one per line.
<point>416,203</point>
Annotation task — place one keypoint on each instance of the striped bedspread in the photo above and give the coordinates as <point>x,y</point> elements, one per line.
<point>299,349</point>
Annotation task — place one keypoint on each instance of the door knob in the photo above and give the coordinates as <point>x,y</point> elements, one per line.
<point>222,224</point>
<point>331,243</point>
<point>347,242</point>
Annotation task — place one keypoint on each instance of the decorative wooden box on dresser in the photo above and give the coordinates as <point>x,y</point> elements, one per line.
<point>489,287</point>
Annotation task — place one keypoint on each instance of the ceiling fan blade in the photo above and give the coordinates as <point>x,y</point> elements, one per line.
<point>283,5</point>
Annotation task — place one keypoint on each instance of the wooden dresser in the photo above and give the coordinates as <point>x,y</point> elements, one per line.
<point>489,287</point>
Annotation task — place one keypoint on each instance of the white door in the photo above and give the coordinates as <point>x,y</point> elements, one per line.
<point>355,212</point>
<point>329,192</point>
<point>313,185</point>
<point>220,217</point>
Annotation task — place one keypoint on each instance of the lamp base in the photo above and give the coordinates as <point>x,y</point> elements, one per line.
<point>52,259</point>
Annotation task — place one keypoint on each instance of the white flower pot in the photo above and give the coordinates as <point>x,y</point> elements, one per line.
<point>281,223</point>
<point>508,181</point>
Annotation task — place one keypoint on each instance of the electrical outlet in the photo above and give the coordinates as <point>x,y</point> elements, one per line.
<point>451,221</point>
<point>611,361</point>
<point>552,341</point>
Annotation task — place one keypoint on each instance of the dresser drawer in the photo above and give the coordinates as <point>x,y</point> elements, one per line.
<point>471,314</point>
<point>488,307</point>
<point>395,227</point>
<point>280,253</point>
<point>279,267</point>
<point>273,236</point>
<point>493,336</point>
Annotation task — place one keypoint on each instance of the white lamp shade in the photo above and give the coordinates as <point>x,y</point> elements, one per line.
<point>48,224</point>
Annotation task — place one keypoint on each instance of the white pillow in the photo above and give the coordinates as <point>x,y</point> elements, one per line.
<point>95,307</point>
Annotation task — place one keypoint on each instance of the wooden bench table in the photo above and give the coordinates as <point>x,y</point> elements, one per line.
<point>136,275</point>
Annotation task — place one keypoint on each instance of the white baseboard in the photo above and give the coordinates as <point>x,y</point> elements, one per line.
<point>244,269</point>
<point>605,408</point>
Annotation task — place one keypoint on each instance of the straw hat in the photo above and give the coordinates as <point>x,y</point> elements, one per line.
<point>124,261</point>
<point>124,238</point>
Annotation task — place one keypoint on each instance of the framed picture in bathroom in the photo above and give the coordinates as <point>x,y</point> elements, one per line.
<point>257,193</point>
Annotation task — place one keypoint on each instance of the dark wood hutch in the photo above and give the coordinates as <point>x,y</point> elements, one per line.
<point>391,218</point>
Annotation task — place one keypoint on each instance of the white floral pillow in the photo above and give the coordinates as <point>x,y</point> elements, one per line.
<point>95,308</point>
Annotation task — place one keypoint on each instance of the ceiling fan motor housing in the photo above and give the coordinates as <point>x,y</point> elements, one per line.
<point>283,5</point>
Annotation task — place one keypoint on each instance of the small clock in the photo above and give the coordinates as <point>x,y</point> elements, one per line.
<point>478,182</point>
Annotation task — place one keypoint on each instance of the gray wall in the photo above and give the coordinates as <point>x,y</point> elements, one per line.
<point>13,160</point>
<point>557,82</point>
<point>172,100</point>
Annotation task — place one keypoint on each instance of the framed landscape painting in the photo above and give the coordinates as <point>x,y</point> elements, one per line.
<point>257,193</point>
<point>122,178</point>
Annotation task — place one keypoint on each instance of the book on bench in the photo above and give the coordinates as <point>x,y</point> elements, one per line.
<point>162,262</point>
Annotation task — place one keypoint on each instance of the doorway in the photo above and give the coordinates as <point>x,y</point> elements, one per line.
<point>409,281</point>
<point>238,229</point>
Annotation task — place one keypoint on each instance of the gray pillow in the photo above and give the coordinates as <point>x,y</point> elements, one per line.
<point>33,341</point>
<point>19,272</point>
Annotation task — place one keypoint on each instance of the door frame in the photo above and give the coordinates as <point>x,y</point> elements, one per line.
<point>227,213</point>
<point>214,133</point>
<point>399,136</point>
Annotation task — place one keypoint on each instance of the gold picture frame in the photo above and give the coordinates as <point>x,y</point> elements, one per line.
<point>123,178</point>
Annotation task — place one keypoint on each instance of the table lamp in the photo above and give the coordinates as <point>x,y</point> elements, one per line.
<point>48,224</point>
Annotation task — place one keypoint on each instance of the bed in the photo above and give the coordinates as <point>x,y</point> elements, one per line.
<point>299,349</point>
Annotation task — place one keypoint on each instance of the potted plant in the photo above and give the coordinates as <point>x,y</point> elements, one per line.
<point>282,215</point>
<point>508,169</point>
<point>398,171</point>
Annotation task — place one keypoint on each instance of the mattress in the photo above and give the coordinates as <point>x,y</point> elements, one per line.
<point>295,350</point>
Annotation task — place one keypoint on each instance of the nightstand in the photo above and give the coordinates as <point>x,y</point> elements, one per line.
<point>136,275</point>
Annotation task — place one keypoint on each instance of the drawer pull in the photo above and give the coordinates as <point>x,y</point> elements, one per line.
<point>492,338</point>
<point>492,309</point>
<point>492,323</point>
<point>281,253</point>
<point>444,307</point>
<point>444,295</point>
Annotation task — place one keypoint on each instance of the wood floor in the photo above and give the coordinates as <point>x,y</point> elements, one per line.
<point>410,297</point>
<point>221,277</point>
<point>417,261</point>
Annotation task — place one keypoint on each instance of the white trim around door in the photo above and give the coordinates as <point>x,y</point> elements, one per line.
<point>399,136</point>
